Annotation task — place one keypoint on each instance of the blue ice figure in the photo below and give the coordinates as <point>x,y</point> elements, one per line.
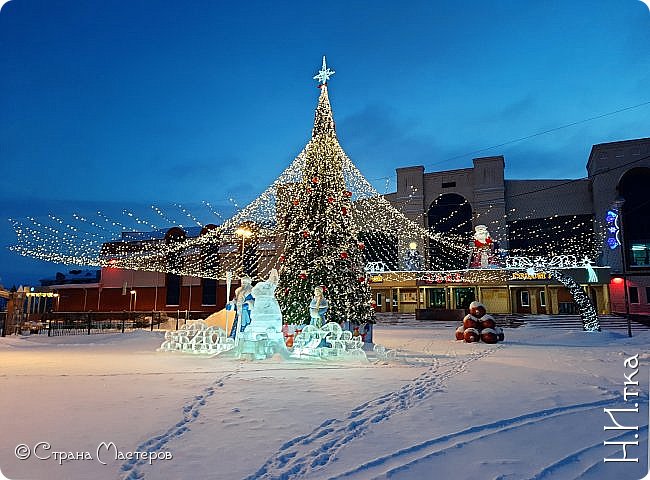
<point>243,304</point>
<point>318,308</point>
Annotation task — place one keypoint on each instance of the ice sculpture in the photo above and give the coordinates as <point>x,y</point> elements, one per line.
<point>266,317</point>
<point>328,342</point>
<point>318,308</point>
<point>263,338</point>
<point>385,354</point>
<point>197,338</point>
<point>243,304</point>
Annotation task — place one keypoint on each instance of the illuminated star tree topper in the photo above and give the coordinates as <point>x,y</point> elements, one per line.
<point>324,74</point>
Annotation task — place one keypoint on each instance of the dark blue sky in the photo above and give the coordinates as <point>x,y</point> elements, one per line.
<point>112,104</point>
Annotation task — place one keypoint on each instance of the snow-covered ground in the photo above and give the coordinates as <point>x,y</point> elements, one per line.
<point>531,407</point>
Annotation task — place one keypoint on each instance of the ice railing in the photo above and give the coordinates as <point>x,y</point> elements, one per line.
<point>329,341</point>
<point>198,338</point>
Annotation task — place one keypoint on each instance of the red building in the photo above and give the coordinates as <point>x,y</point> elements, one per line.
<point>119,289</point>
<point>131,290</point>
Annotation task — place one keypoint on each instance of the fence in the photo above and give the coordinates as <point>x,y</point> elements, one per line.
<point>87,323</point>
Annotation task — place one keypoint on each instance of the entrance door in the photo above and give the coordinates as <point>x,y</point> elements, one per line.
<point>464,296</point>
<point>541,303</point>
<point>436,298</point>
<point>523,300</point>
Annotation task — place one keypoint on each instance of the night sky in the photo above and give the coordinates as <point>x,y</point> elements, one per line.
<point>124,104</point>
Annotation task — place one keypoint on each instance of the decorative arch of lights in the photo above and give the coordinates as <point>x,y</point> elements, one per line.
<point>92,241</point>
<point>102,241</point>
<point>98,241</point>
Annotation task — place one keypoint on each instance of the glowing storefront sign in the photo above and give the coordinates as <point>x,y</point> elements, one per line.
<point>529,276</point>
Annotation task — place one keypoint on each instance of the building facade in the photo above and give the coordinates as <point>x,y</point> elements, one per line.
<point>620,174</point>
<point>608,209</point>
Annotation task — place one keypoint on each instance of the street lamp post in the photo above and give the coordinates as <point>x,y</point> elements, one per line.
<point>228,284</point>
<point>133,300</point>
<point>619,205</point>
<point>244,233</point>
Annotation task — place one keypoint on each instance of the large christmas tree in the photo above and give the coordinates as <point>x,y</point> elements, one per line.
<point>321,244</point>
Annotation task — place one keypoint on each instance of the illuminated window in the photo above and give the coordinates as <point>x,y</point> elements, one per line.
<point>640,255</point>
<point>464,296</point>
<point>542,298</point>
<point>436,298</point>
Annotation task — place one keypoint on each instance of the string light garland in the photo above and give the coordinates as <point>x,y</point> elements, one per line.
<point>385,230</point>
<point>588,312</point>
<point>47,243</point>
<point>138,220</point>
<point>188,214</point>
<point>212,209</point>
